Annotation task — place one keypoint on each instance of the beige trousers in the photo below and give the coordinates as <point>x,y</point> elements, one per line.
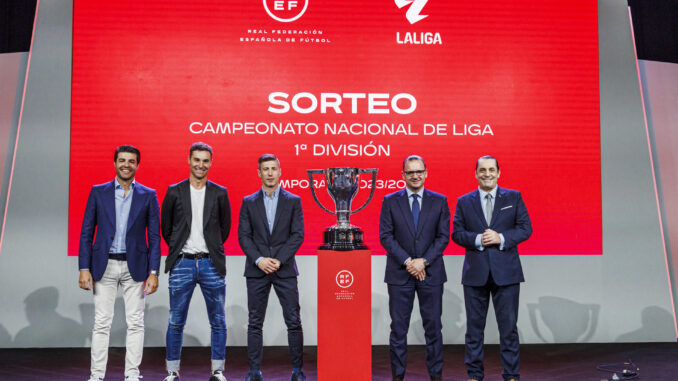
<point>105,290</point>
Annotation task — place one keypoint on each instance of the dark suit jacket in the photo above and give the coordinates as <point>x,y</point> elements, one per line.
<point>256,240</point>
<point>510,218</point>
<point>399,238</point>
<point>177,216</point>
<point>142,239</point>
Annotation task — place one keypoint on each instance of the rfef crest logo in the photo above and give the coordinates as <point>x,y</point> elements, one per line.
<point>414,12</point>
<point>344,279</point>
<point>285,10</point>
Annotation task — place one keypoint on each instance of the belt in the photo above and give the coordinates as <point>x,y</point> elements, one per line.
<point>195,255</point>
<point>118,256</point>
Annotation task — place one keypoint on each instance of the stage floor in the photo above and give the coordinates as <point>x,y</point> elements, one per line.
<point>559,362</point>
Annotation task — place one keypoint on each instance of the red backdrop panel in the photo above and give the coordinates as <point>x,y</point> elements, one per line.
<point>515,79</point>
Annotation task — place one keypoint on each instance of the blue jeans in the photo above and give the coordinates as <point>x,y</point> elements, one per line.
<point>182,280</point>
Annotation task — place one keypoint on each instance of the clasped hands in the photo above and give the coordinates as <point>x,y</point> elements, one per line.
<point>490,238</point>
<point>417,268</point>
<point>269,265</point>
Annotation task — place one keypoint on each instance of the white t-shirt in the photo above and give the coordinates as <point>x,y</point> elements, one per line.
<point>196,240</point>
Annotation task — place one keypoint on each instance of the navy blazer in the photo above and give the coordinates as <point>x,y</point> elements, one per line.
<point>256,240</point>
<point>142,240</point>
<point>510,218</point>
<point>399,238</point>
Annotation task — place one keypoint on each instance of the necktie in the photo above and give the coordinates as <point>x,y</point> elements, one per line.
<point>488,209</point>
<point>415,209</point>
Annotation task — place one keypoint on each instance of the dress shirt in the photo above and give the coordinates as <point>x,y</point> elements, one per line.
<point>271,206</point>
<point>122,206</point>
<point>410,199</point>
<point>483,204</point>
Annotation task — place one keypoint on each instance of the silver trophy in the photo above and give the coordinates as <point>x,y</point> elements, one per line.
<point>342,185</point>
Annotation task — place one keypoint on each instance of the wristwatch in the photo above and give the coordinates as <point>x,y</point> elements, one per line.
<point>154,272</point>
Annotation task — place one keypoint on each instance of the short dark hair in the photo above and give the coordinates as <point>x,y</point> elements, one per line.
<point>486,157</point>
<point>129,149</point>
<point>267,157</point>
<point>413,157</point>
<point>200,146</point>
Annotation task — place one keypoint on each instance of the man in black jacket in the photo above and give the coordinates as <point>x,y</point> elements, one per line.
<point>196,220</point>
<point>270,231</point>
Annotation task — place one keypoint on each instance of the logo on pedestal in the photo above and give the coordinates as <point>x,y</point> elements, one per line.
<point>344,279</point>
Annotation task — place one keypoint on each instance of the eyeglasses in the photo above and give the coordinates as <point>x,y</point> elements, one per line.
<point>414,173</point>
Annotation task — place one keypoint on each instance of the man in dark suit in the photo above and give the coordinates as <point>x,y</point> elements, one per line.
<point>196,220</point>
<point>270,231</point>
<point>125,253</point>
<point>414,228</point>
<point>490,223</point>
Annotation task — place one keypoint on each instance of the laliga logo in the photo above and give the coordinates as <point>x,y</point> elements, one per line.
<point>285,10</point>
<point>344,279</point>
<point>413,14</point>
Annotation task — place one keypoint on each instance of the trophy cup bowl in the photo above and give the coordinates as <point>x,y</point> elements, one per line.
<point>342,186</point>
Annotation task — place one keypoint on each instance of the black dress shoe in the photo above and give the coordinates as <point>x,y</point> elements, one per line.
<point>298,376</point>
<point>397,378</point>
<point>254,376</point>
<point>436,378</point>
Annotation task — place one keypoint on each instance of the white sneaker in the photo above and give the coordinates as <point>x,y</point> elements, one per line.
<point>133,378</point>
<point>218,375</point>
<point>172,376</point>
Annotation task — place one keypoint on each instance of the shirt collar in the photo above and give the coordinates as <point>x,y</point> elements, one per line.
<point>118,186</point>
<point>276,192</point>
<point>410,193</point>
<point>493,192</point>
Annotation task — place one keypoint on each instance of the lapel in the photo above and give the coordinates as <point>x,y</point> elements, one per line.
<point>498,204</point>
<point>185,197</point>
<point>259,206</point>
<point>109,202</point>
<point>426,207</point>
<point>406,211</point>
<point>137,194</point>
<point>208,204</point>
<point>282,203</point>
<point>475,204</point>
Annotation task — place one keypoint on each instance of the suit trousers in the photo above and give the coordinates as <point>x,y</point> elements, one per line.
<point>258,290</point>
<point>400,303</point>
<point>105,291</point>
<point>505,301</point>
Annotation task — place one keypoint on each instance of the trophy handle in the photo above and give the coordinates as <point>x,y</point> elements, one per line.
<point>312,172</point>
<point>373,171</point>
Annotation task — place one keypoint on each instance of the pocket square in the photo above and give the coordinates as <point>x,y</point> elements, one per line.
<point>506,207</point>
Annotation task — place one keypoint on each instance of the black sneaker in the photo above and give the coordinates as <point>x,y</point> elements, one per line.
<point>172,376</point>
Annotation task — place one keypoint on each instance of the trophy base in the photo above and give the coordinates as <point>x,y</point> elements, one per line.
<point>343,239</point>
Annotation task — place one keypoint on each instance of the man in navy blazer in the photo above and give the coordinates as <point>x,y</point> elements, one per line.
<point>270,231</point>
<point>125,253</point>
<point>414,228</point>
<point>490,223</point>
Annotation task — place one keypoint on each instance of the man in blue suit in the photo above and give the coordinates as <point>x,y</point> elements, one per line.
<point>270,231</point>
<point>414,228</point>
<point>490,223</point>
<point>125,253</point>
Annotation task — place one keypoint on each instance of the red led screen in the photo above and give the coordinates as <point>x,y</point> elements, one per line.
<point>347,83</point>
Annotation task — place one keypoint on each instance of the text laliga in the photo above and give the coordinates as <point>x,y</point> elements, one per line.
<point>377,103</point>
